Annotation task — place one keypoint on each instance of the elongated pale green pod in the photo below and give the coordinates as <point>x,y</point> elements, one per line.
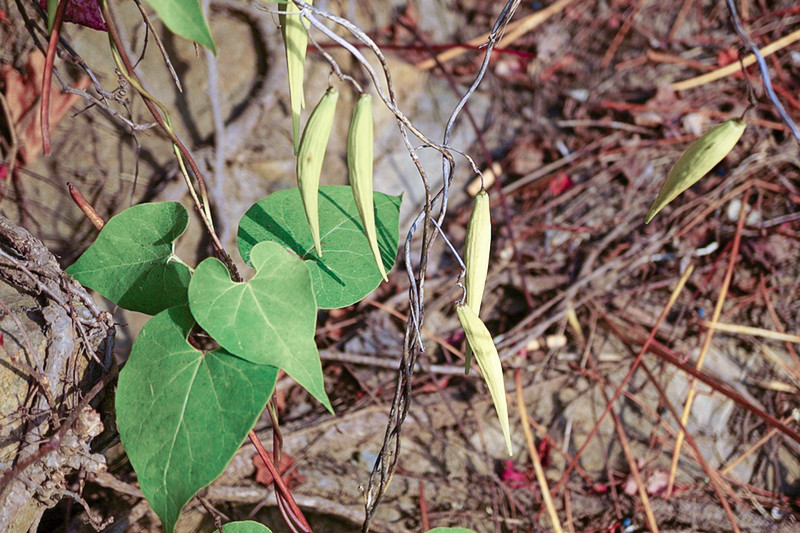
<point>701,156</point>
<point>489,362</point>
<point>476,257</point>
<point>359,166</point>
<point>313,144</point>
<point>295,39</point>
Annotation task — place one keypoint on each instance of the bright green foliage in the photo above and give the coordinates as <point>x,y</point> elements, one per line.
<point>246,526</point>
<point>185,17</point>
<point>182,413</point>
<point>269,320</point>
<point>449,530</point>
<point>348,271</point>
<point>132,263</point>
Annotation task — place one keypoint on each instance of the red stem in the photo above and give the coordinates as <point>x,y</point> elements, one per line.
<point>280,485</point>
<point>47,76</point>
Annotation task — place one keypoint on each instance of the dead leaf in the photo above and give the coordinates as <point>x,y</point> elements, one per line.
<point>559,184</point>
<point>23,93</point>
<point>525,157</point>
<point>264,477</point>
<point>83,12</point>
<point>727,56</point>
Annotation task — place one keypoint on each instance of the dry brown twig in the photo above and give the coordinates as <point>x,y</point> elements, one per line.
<point>733,68</point>
<point>555,522</point>
<point>707,340</point>
<point>514,31</point>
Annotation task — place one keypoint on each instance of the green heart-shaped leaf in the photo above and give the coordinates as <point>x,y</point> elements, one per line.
<point>182,413</point>
<point>245,526</point>
<point>347,271</point>
<point>269,320</point>
<point>132,262</point>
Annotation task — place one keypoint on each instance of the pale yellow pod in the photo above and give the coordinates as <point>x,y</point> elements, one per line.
<point>359,166</point>
<point>313,145</point>
<point>295,39</point>
<point>701,156</point>
<point>489,362</point>
<point>476,257</point>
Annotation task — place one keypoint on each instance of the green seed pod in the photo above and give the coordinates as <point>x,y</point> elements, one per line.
<point>701,156</point>
<point>489,362</point>
<point>295,39</point>
<point>359,166</point>
<point>313,144</point>
<point>476,257</point>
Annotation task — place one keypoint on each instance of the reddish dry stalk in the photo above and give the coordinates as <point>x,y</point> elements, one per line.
<point>777,188</point>
<point>47,75</point>
<point>674,359</point>
<point>754,448</point>
<point>765,495</point>
<point>713,475</point>
<point>703,215</point>
<point>651,337</point>
<point>282,491</point>
<point>781,90</point>
<point>626,448</point>
<point>621,33</point>
<point>687,408</point>
<point>661,57</point>
<point>423,508</point>
<point>762,285</point>
<point>557,447</point>
<point>84,205</point>
<point>680,19</point>
<point>627,106</point>
<point>534,455</point>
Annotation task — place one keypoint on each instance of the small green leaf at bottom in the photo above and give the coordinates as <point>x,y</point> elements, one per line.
<point>246,526</point>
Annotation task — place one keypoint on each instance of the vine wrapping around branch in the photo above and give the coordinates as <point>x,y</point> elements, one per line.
<point>386,462</point>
